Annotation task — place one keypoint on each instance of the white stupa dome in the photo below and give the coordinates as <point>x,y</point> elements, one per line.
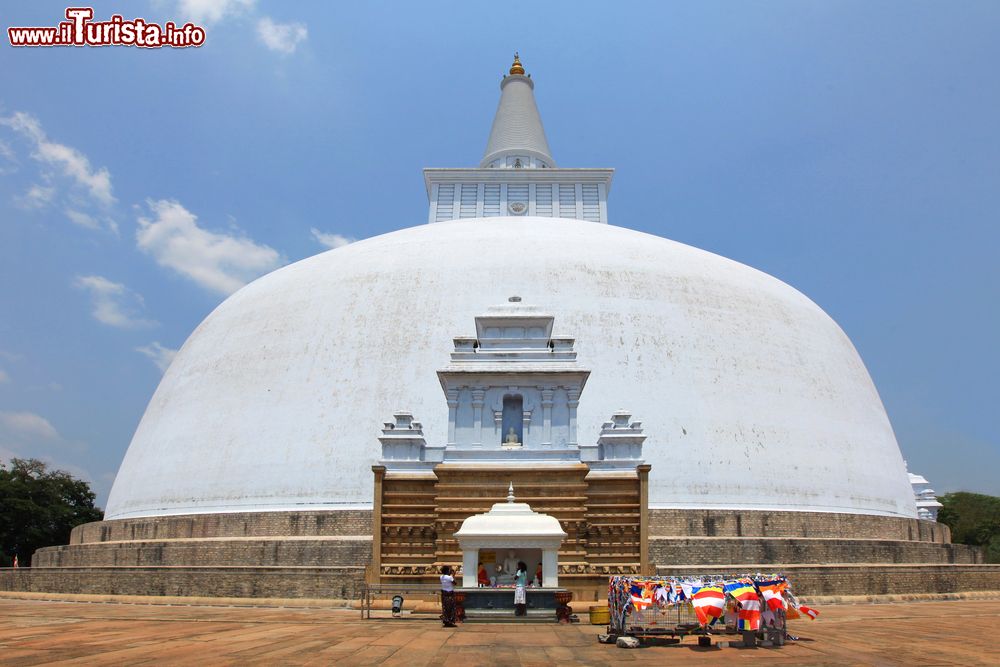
<point>750,395</point>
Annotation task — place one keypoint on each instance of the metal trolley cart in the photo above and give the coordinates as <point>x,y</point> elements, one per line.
<point>665,616</point>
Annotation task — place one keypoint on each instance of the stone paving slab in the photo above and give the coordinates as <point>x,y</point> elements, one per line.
<point>37,632</point>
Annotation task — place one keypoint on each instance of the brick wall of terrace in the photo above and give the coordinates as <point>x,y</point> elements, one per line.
<point>253,552</point>
<point>342,582</point>
<point>241,524</point>
<point>672,551</point>
<point>663,523</point>
<point>754,523</point>
<point>327,582</point>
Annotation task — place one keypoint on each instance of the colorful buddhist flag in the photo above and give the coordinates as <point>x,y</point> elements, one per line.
<point>744,592</point>
<point>687,589</point>
<point>771,590</point>
<point>811,613</point>
<point>709,602</point>
<point>678,592</point>
<point>638,594</point>
<point>741,589</point>
<point>749,614</point>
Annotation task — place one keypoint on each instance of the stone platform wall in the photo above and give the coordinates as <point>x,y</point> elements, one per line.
<point>672,551</point>
<point>245,524</point>
<point>755,523</point>
<point>245,552</point>
<point>253,582</point>
<point>343,582</point>
<point>323,554</point>
<point>662,523</point>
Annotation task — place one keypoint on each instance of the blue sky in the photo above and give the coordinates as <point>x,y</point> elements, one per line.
<point>849,148</point>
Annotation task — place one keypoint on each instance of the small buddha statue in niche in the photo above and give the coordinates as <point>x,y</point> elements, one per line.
<point>511,440</point>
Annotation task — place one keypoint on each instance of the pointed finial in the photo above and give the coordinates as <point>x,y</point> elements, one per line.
<point>510,493</point>
<point>517,68</point>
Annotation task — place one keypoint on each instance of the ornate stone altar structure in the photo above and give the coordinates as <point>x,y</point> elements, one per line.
<point>506,526</point>
<point>513,377</point>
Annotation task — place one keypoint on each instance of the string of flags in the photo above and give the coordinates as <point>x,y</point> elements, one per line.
<point>749,597</point>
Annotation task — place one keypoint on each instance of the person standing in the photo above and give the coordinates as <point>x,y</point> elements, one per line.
<point>447,597</point>
<point>520,597</point>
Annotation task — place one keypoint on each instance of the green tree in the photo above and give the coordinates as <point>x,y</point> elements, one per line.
<point>39,507</point>
<point>974,518</point>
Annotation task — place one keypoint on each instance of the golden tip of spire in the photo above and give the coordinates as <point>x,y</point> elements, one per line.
<point>517,68</point>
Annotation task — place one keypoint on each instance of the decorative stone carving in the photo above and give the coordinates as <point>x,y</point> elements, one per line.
<point>404,446</point>
<point>513,339</point>
<point>619,445</point>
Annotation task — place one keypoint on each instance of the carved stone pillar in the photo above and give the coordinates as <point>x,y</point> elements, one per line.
<point>477,417</point>
<point>547,416</point>
<point>573,396</point>
<point>550,568</point>
<point>470,568</point>
<point>452,397</point>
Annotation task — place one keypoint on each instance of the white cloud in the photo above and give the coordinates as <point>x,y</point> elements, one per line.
<point>281,37</point>
<point>82,219</point>
<point>158,354</point>
<point>211,11</point>
<point>3,376</point>
<point>28,424</point>
<point>216,261</point>
<point>8,160</point>
<point>331,240</point>
<point>72,162</point>
<point>37,196</point>
<point>88,221</point>
<point>113,303</point>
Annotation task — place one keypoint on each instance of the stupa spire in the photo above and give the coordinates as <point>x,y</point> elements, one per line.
<point>517,175</point>
<point>517,138</point>
<point>517,67</point>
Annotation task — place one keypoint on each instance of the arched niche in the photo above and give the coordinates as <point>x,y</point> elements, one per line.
<point>513,417</point>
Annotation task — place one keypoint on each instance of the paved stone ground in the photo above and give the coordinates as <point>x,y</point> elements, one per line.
<point>35,632</point>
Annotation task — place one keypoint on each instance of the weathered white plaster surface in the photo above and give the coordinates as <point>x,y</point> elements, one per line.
<point>749,394</point>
